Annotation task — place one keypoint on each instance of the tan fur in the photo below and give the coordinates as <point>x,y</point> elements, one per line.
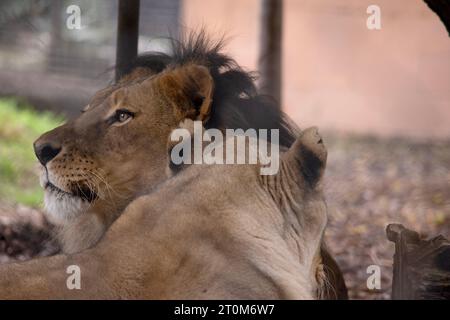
<point>208,232</point>
<point>191,238</point>
<point>120,162</point>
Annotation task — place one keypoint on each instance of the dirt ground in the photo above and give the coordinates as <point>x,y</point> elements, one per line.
<point>24,234</point>
<point>373,182</point>
<point>369,183</point>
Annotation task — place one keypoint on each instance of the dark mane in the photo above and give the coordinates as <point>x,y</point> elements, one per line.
<point>236,101</point>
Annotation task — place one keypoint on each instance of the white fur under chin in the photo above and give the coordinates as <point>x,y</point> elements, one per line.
<point>60,209</point>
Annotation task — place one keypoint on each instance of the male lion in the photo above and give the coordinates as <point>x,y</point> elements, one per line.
<point>96,165</point>
<point>193,238</point>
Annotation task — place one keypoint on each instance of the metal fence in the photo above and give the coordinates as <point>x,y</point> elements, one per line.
<point>35,41</point>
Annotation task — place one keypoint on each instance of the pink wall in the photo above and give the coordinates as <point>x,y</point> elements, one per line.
<point>340,75</point>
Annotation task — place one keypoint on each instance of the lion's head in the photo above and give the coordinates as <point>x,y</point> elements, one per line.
<point>96,164</point>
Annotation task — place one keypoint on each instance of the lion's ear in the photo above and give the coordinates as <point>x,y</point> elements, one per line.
<point>308,156</point>
<point>190,89</point>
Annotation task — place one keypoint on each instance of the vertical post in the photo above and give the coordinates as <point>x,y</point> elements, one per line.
<point>127,34</point>
<point>421,267</point>
<point>56,42</point>
<point>269,61</point>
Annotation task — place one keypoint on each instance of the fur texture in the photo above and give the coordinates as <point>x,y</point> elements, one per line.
<point>105,165</point>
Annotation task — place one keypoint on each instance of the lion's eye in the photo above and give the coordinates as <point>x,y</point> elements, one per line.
<point>123,115</point>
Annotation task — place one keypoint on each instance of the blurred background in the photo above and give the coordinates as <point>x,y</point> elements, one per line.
<point>381,97</point>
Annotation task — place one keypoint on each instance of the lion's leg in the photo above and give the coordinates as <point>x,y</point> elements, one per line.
<point>54,278</point>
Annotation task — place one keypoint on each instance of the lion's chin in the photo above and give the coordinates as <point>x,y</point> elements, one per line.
<point>61,208</point>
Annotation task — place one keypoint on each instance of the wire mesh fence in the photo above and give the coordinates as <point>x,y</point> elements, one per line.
<point>37,41</point>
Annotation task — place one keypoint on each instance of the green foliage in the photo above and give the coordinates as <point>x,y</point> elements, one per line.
<point>20,125</point>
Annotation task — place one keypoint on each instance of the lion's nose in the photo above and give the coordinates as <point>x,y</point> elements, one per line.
<point>46,152</point>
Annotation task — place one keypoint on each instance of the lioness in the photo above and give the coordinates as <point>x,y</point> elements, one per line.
<point>191,238</point>
<point>94,166</point>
